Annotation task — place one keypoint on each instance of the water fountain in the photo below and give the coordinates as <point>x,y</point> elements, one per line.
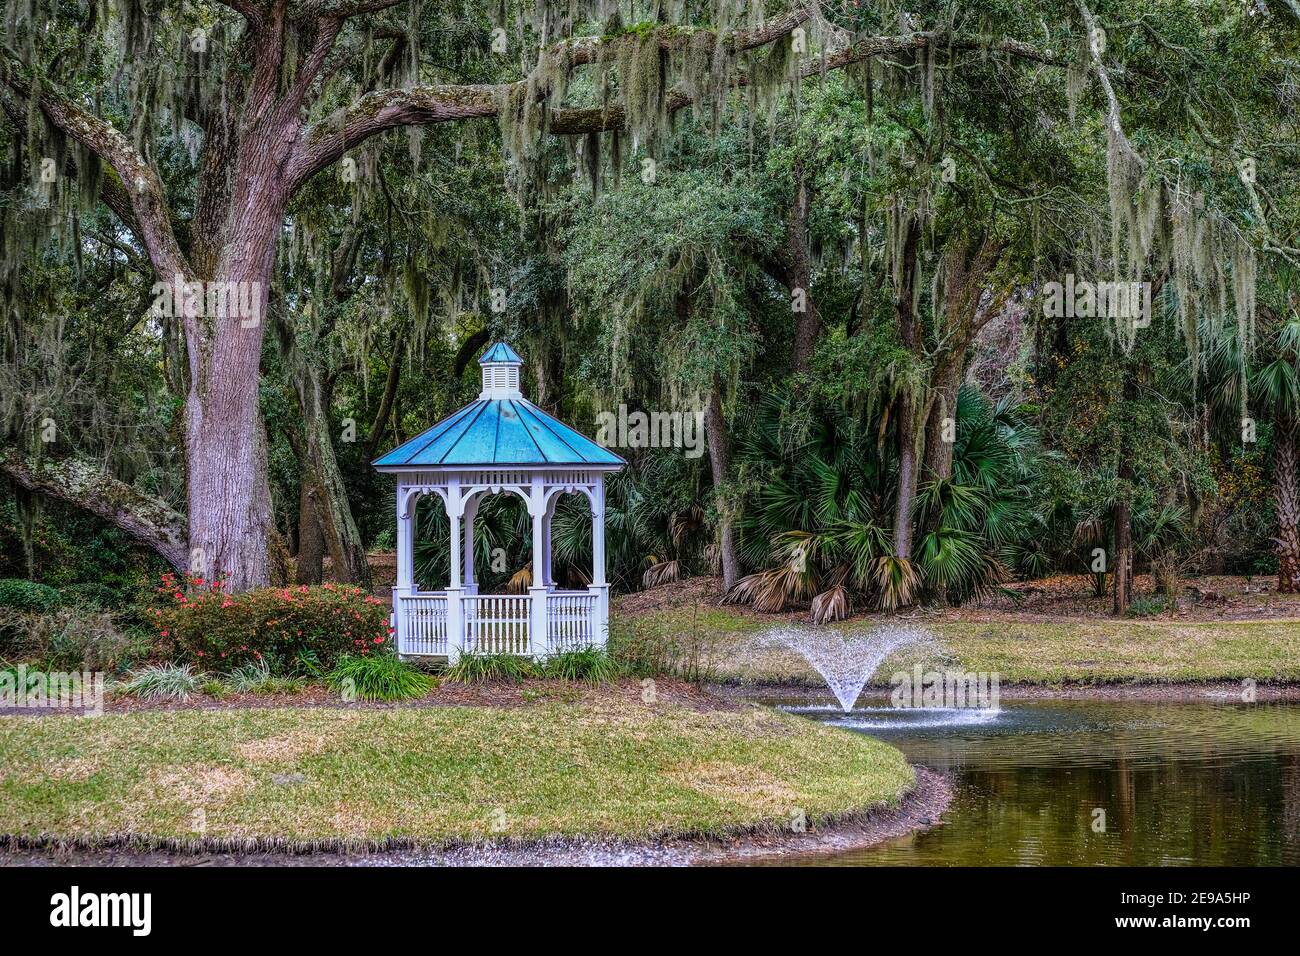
<point>845,661</point>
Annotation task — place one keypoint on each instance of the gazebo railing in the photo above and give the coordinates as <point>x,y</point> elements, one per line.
<point>571,621</point>
<point>424,630</point>
<point>496,623</point>
<point>499,623</point>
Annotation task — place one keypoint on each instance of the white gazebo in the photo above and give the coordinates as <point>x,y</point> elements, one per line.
<point>500,443</point>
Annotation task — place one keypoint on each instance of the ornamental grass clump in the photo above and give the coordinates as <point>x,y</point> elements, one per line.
<point>378,677</point>
<point>590,665</point>
<point>279,625</point>
<point>163,682</point>
<point>474,668</point>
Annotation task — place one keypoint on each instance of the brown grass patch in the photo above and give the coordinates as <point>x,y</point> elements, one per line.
<point>736,783</point>
<point>284,748</point>
<point>197,786</point>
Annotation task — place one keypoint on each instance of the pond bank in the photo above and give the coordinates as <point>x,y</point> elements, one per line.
<point>604,770</point>
<point>918,810</point>
<point>1212,692</point>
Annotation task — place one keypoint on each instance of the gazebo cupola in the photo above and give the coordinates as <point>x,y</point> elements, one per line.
<point>500,367</point>
<point>498,444</point>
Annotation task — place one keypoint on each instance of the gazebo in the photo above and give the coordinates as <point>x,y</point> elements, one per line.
<point>500,443</point>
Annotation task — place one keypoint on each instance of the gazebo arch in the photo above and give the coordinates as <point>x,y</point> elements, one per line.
<point>499,443</point>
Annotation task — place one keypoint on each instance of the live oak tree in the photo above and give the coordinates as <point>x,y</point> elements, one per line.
<point>197,125</point>
<point>264,88</point>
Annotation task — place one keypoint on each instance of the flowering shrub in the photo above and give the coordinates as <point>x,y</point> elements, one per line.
<point>220,630</point>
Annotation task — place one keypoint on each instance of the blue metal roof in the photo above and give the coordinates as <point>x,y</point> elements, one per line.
<point>499,431</point>
<point>500,353</point>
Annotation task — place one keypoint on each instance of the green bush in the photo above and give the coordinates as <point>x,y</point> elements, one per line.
<point>256,678</point>
<point>91,595</point>
<point>650,647</point>
<point>1148,606</point>
<point>591,664</point>
<point>72,638</point>
<point>382,676</point>
<point>29,596</point>
<point>280,625</point>
<point>483,668</point>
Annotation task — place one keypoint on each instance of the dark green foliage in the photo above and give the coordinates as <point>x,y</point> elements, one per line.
<point>486,668</point>
<point>590,665</point>
<point>92,595</point>
<point>28,596</point>
<point>378,677</point>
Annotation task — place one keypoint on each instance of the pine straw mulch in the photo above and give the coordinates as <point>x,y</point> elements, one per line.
<point>447,693</point>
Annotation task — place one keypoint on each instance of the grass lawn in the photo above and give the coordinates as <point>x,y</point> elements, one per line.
<point>604,766</point>
<point>1034,651</point>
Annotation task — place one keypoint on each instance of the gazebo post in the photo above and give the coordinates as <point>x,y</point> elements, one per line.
<point>537,627</point>
<point>405,584</point>
<point>471,511</point>
<point>455,608</point>
<point>598,562</point>
<point>548,577</point>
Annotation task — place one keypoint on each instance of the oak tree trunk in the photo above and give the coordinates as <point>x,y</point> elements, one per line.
<point>311,543</point>
<point>225,446</point>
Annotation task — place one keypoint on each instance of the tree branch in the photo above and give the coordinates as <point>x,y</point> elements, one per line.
<point>250,10</point>
<point>141,189</point>
<point>147,520</point>
<point>1113,118</point>
<point>383,110</point>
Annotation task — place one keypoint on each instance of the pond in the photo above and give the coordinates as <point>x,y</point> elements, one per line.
<point>1079,783</point>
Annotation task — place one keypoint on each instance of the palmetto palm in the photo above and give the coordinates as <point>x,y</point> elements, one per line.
<point>817,520</point>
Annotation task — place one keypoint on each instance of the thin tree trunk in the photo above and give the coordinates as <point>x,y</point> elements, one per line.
<point>808,321</point>
<point>1288,507</point>
<point>1123,558</point>
<point>939,437</point>
<point>906,407</point>
<point>1123,533</point>
<point>390,393</point>
<point>342,539</point>
<point>322,478</point>
<point>720,461</point>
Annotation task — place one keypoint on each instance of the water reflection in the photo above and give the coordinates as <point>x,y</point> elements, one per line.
<point>1179,783</point>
